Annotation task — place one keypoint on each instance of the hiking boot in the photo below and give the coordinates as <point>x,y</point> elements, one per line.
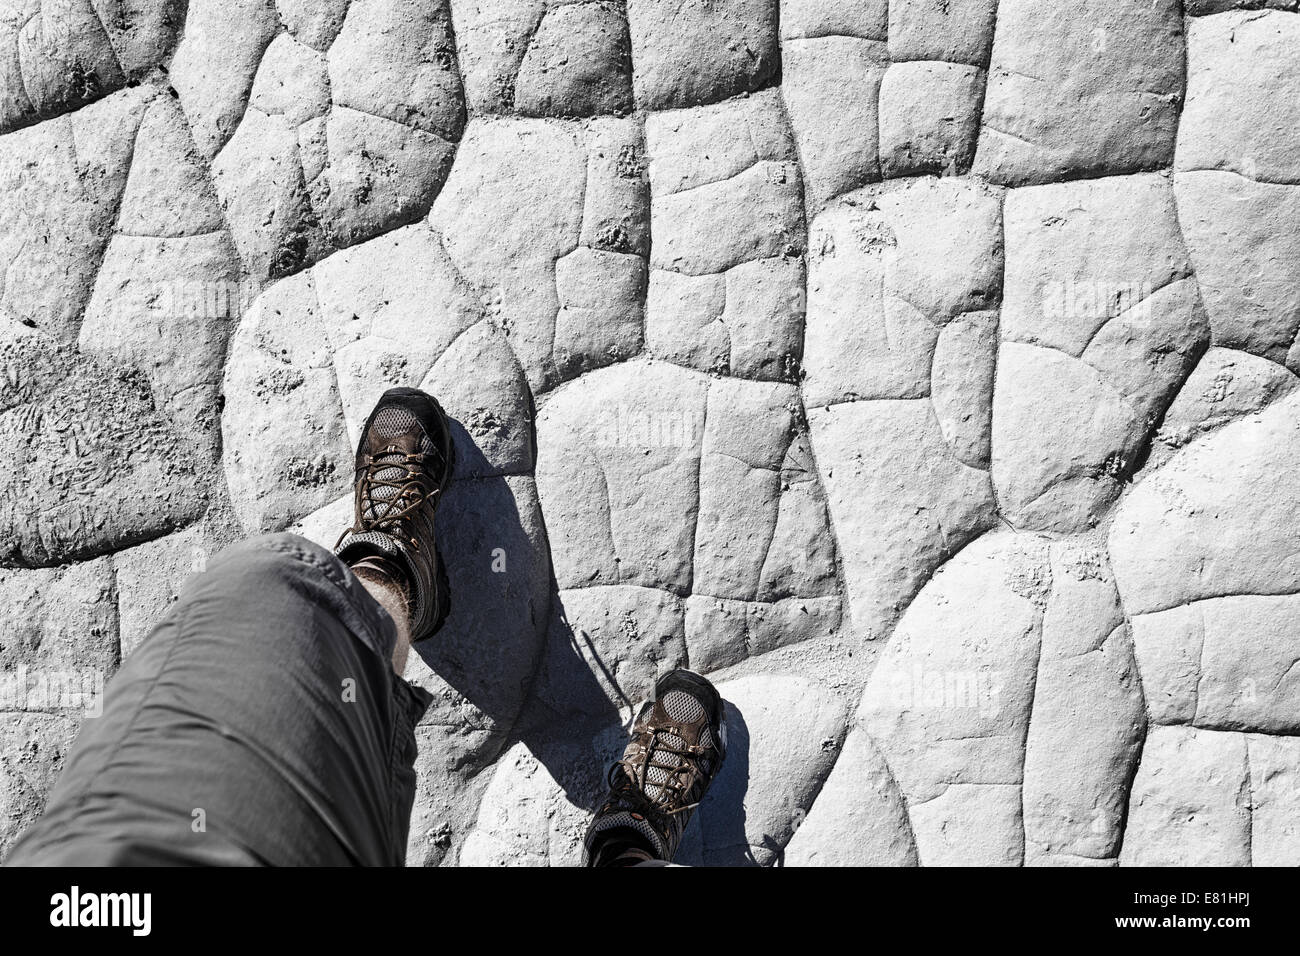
<point>404,464</point>
<point>677,746</point>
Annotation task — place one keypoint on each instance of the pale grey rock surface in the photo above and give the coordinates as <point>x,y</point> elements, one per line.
<point>1226,384</point>
<point>64,619</point>
<point>336,147</point>
<point>692,52</point>
<point>94,467</point>
<point>726,269</point>
<point>150,577</point>
<point>63,181</point>
<point>540,263</point>
<point>1094,89</point>
<point>1008,708</point>
<point>1216,521</point>
<point>33,746</point>
<point>61,56</point>
<point>1213,595</point>
<point>832,90</point>
<point>859,798</point>
<point>1099,303</point>
<point>929,118</point>
<point>923,372</point>
<point>1207,798</point>
<point>1235,173</point>
<point>956,31</point>
<point>170,286</point>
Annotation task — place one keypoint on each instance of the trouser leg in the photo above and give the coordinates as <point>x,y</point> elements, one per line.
<point>261,722</point>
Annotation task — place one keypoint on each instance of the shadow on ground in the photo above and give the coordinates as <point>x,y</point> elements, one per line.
<point>529,676</point>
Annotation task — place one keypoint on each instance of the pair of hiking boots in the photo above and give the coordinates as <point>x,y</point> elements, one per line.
<point>404,464</point>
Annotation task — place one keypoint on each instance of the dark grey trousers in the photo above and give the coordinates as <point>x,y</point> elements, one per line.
<point>260,723</point>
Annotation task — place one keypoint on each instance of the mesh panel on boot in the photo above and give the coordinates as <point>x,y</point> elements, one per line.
<point>683,707</point>
<point>395,420</point>
<point>379,540</point>
<point>626,819</point>
<point>390,423</point>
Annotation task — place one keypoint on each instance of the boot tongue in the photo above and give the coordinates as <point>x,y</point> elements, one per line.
<point>379,505</point>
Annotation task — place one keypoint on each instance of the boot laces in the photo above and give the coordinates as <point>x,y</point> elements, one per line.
<point>392,488</point>
<point>661,748</point>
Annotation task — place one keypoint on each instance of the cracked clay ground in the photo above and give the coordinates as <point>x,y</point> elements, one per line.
<point>923,371</point>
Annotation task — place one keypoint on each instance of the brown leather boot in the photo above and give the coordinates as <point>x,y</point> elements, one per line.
<point>677,747</point>
<point>404,464</point>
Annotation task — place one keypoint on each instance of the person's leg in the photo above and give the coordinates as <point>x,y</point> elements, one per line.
<point>391,596</point>
<point>678,744</point>
<point>263,721</point>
